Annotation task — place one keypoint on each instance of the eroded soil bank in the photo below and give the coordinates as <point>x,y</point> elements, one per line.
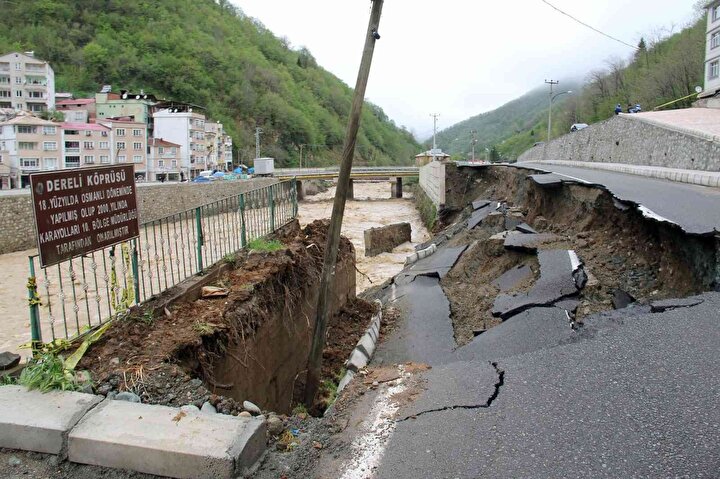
<point>251,345</point>
<point>628,258</point>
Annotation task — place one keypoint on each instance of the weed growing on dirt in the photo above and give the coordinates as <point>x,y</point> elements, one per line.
<point>8,380</point>
<point>230,259</point>
<point>48,373</point>
<point>202,328</point>
<point>300,409</point>
<point>261,244</point>
<point>328,391</point>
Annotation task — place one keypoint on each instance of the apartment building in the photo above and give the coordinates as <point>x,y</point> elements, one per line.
<point>128,144</point>
<point>182,125</point>
<point>165,161</point>
<point>228,152</point>
<point>214,145</point>
<point>138,106</point>
<point>27,145</point>
<point>86,145</point>
<point>26,83</point>
<point>81,110</point>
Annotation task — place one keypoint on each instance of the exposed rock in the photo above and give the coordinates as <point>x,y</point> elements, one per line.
<point>214,292</point>
<point>275,425</point>
<point>208,408</point>
<point>14,461</point>
<point>251,408</point>
<point>128,396</point>
<point>525,228</point>
<point>244,414</point>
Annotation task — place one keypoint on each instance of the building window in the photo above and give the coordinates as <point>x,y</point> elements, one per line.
<point>137,159</point>
<point>18,93</point>
<point>715,40</point>
<point>18,66</point>
<point>714,70</point>
<point>120,145</point>
<point>104,145</point>
<point>26,129</point>
<point>105,133</point>
<point>137,132</point>
<point>716,13</point>
<point>49,130</point>
<point>89,145</point>
<point>72,162</point>
<point>120,132</point>
<point>50,146</point>
<point>26,145</point>
<point>18,80</point>
<point>72,132</point>
<point>104,159</point>
<point>174,163</point>
<point>137,146</point>
<point>35,94</point>
<point>122,159</point>
<point>49,163</point>
<point>30,163</point>
<point>161,150</point>
<point>89,160</point>
<point>5,80</point>
<point>5,94</point>
<point>161,163</point>
<point>72,147</point>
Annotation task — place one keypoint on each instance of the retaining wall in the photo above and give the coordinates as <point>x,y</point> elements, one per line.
<point>432,181</point>
<point>17,230</point>
<point>633,140</point>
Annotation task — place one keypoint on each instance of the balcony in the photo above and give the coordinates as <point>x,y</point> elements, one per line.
<point>72,164</point>
<point>5,67</point>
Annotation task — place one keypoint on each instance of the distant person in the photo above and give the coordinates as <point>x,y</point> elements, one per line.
<point>630,108</point>
<point>618,109</point>
<point>637,108</point>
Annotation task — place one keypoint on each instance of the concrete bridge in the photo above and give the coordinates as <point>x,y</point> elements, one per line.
<point>363,172</point>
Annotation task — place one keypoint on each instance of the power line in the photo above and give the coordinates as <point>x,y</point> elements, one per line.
<point>589,26</point>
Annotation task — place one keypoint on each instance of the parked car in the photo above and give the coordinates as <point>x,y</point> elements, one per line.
<point>538,143</point>
<point>578,127</point>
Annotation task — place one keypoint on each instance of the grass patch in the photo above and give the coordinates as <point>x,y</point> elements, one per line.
<point>204,329</point>
<point>48,373</point>
<point>230,259</point>
<point>300,409</point>
<point>261,244</point>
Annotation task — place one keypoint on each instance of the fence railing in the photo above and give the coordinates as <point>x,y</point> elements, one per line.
<point>71,298</point>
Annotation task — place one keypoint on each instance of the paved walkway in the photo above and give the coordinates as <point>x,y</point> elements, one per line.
<point>702,121</point>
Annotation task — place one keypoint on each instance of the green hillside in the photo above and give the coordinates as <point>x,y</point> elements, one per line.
<point>517,116</point>
<point>209,54</point>
<point>661,71</point>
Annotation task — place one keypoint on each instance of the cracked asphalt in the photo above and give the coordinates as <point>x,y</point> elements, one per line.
<point>692,207</point>
<point>631,394</point>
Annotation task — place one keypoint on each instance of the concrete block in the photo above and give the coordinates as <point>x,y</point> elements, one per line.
<point>357,361</point>
<point>33,421</point>
<point>367,343</point>
<point>166,441</point>
<point>386,238</point>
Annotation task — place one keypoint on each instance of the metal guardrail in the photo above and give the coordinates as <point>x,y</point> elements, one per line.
<point>357,171</point>
<point>69,299</point>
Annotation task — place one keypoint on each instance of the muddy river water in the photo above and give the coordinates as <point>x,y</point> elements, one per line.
<point>373,207</point>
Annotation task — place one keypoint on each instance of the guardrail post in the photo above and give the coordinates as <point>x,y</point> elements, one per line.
<point>34,303</point>
<point>243,229</point>
<point>272,208</point>
<point>136,270</point>
<point>294,195</point>
<point>200,238</point>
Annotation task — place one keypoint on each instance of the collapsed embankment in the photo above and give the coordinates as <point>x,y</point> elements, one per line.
<point>249,344</point>
<point>629,258</point>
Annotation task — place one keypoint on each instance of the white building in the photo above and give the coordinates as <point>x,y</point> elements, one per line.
<point>185,127</point>
<point>26,83</point>
<point>712,50</point>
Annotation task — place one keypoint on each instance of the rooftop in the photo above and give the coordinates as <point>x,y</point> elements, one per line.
<point>84,126</point>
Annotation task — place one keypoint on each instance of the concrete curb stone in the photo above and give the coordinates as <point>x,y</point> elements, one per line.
<point>40,422</point>
<point>364,350</point>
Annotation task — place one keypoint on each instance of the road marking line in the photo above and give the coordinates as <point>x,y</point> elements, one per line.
<point>369,448</point>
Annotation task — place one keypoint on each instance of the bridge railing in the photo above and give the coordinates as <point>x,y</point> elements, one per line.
<point>380,170</point>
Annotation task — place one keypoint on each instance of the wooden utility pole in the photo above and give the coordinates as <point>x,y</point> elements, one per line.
<point>333,243</point>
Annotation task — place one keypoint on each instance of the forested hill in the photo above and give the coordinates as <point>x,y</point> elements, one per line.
<point>207,53</point>
<point>665,68</point>
<point>519,115</point>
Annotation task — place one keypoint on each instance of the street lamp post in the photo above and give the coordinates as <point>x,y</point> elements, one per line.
<point>552,99</point>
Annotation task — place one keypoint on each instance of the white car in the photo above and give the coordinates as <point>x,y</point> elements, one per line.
<point>578,127</point>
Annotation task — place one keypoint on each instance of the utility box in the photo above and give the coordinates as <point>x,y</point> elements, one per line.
<point>264,166</point>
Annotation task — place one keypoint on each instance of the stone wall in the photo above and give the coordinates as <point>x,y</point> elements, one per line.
<point>633,140</point>
<point>17,229</point>
<point>432,181</point>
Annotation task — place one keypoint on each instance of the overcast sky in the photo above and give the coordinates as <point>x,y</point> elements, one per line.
<point>460,58</point>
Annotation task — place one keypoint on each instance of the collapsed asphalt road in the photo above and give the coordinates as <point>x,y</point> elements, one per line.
<point>693,208</point>
<point>630,394</point>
